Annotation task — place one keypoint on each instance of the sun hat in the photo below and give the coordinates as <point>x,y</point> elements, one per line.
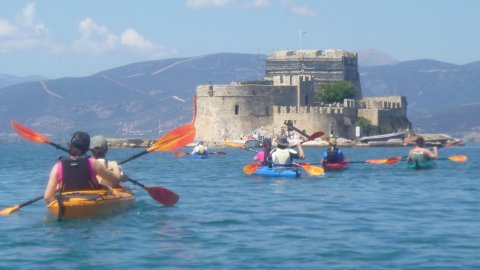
<point>99,142</point>
<point>282,141</point>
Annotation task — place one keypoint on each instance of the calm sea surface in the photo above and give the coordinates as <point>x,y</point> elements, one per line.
<point>369,217</point>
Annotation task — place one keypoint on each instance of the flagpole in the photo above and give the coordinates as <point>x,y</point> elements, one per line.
<point>301,33</point>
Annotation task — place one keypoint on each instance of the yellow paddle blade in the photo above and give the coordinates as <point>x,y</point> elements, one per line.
<point>233,144</point>
<point>179,154</point>
<point>458,158</point>
<point>175,139</point>
<point>28,134</point>
<point>389,161</point>
<point>313,170</point>
<point>251,167</point>
<point>9,210</point>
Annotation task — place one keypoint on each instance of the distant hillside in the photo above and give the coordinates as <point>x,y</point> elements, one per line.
<point>440,95</point>
<point>371,57</point>
<point>142,98</point>
<point>6,80</point>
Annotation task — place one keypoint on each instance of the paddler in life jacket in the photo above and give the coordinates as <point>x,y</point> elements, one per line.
<point>420,154</point>
<point>264,156</point>
<point>200,149</point>
<point>283,155</point>
<point>99,148</point>
<point>333,153</point>
<point>78,171</point>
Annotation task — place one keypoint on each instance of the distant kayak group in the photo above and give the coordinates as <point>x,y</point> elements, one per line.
<point>279,162</point>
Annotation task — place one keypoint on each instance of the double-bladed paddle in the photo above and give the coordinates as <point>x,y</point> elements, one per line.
<point>251,168</point>
<point>175,139</point>
<point>181,154</point>
<point>393,160</point>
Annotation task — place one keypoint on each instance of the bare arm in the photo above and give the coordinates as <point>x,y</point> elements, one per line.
<point>301,155</point>
<point>52,184</point>
<point>410,155</point>
<point>431,155</point>
<point>102,171</point>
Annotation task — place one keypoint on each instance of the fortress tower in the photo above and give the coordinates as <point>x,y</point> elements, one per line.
<point>325,66</point>
<point>291,77</point>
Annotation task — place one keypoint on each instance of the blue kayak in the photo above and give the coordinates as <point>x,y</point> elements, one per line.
<point>278,171</point>
<point>198,155</point>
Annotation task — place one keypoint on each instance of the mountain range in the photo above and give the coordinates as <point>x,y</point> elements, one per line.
<point>144,99</point>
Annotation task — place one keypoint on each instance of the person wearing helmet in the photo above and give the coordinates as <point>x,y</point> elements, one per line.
<point>200,149</point>
<point>99,148</point>
<point>283,155</point>
<point>78,171</point>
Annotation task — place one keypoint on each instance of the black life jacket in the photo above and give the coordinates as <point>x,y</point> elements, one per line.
<point>76,175</point>
<point>267,158</point>
<point>332,155</point>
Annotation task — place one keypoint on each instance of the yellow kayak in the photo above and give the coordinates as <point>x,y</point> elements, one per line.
<point>92,203</point>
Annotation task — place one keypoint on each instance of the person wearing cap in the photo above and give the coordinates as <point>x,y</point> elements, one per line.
<point>283,155</point>
<point>200,149</point>
<point>420,153</point>
<point>99,148</point>
<point>264,156</point>
<point>333,153</point>
<point>78,171</point>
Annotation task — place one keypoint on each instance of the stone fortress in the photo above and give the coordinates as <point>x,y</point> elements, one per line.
<point>235,110</point>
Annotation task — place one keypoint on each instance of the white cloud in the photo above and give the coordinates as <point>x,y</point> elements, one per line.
<point>25,33</point>
<point>6,28</point>
<point>196,4</point>
<point>298,9</point>
<point>98,40</point>
<point>131,38</point>
<point>95,39</point>
<point>258,4</point>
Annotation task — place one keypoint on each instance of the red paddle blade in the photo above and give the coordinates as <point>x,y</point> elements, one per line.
<point>313,170</point>
<point>251,167</point>
<point>163,195</point>
<point>179,154</point>
<point>458,158</point>
<point>175,139</point>
<point>316,135</point>
<point>389,161</point>
<point>218,153</point>
<point>29,134</point>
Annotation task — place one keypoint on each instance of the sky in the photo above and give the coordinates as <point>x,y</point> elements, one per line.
<point>75,38</point>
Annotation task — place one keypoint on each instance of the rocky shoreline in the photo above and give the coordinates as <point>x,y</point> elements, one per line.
<point>431,141</point>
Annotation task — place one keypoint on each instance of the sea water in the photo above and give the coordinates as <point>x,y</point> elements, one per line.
<point>368,217</point>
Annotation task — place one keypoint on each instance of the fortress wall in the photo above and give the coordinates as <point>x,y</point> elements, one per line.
<point>232,111</point>
<point>391,102</point>
<point>340,120</point>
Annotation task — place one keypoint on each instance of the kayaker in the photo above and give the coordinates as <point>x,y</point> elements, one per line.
<point>264,156</point>
<point>333,153</point>
<point>283,155</point>
<point>200,149</point>
<point>99,148</point>
<point>78,171</point>
<point>420,154</point>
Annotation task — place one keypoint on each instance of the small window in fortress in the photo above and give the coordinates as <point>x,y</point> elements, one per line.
<point>237,108</point>
<point>306,100</point>
<point>266,111</point>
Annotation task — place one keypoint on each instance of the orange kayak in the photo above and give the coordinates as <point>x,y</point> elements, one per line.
<point>92,203</point>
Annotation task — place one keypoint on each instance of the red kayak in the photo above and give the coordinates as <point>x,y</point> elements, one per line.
<point>336,166</point>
